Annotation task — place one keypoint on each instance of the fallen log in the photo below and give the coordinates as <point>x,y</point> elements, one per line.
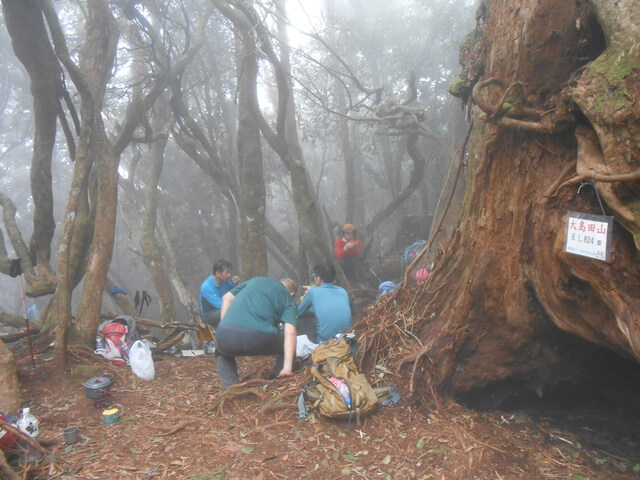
<point>11,320</point>
<point>173,337</point>
<point>155,323</point>
<point>14,336</point>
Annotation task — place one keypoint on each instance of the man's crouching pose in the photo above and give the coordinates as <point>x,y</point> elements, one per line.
<point>250,315</point>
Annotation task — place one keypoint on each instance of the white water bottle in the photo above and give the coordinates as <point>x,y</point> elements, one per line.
<point>343,388</point>
<point>28,424</point>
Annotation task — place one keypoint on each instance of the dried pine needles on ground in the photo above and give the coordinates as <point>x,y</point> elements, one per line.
<point>180,425</point>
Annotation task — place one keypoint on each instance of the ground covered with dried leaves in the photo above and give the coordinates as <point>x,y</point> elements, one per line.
<point>180,426</point>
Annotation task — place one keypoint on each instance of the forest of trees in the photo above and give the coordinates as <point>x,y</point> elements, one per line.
<point>165,134</point>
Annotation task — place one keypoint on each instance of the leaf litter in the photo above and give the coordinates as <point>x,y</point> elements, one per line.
<point>181,426</point>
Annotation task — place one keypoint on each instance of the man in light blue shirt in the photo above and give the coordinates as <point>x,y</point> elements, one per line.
<point>328,302</point>
<point>213,289</point>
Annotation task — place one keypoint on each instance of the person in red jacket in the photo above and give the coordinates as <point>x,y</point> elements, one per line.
<point>348,249</point>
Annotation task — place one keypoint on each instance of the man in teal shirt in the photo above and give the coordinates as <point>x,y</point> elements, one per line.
<point>328,302</point>
<point>250,315</point>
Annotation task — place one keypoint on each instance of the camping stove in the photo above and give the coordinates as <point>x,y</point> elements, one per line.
<point>97,389</point>
<point>99,403</point>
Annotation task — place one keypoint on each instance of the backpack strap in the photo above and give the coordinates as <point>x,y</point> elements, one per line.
<point>388,395</point>
<point>311,393</point>
<point>303,410</point>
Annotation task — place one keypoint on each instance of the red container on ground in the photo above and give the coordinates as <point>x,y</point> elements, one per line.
<point>8,441</point>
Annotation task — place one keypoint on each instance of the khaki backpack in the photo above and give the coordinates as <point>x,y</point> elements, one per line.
<point>334,369</point>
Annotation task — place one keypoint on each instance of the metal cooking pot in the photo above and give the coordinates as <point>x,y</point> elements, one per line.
<point>95,387</point>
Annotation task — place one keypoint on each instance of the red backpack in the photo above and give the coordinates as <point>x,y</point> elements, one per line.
<point>115,332</point>
<point>114,337</point>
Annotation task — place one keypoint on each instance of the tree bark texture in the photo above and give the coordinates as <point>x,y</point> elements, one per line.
<point>503,291</point>
<point>31,44</point>
<point>185,294</point>
<point>608,94</point>
<point>11,398</point>
<point>152,253</point>
<point>252,201</point>
<point>95,151</point>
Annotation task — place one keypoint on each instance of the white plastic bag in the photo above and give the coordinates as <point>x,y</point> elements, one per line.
<point>141,361</point>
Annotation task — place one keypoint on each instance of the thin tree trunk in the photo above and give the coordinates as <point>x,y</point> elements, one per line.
<point>252,201</point>
<point>187,299</point>
<point>152,254</point>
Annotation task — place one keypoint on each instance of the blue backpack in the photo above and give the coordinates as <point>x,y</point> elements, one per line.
<point>413,250</point>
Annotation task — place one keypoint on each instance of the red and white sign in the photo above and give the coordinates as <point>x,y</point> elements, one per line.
<point>589,235</point>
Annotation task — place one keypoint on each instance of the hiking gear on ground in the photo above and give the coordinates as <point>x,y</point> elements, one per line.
<point>386,288</point>
<point>304,346</point>
<point>205,333</point>
<point>8,440</point>
<point>15,267</point>
<point>141,360</point>
<point>422,275</point>
<point>350,395</point>
<point>28,424</point>
<point>115,337</point>
<point>97,388</point>
<point>413,250</point>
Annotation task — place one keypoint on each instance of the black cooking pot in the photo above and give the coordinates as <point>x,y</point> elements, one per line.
<point>95,387</point>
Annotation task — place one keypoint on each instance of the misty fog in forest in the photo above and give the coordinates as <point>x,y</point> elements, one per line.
<point>141,141</point>
<point>358,71</point>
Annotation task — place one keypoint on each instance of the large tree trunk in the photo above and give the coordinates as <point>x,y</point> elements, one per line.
<point>97,59</point>
<point>499,296</point>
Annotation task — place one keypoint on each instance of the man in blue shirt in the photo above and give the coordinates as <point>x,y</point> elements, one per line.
<point>213,289</point>
<point>251,313</point>
<point>328,302</point>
